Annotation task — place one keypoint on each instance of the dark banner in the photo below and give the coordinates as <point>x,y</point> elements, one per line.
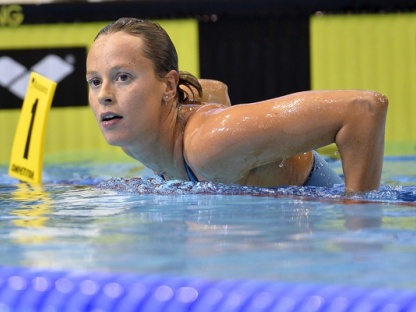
<point>258,57</point>
<point>84,11</point>
<point>66,66</point>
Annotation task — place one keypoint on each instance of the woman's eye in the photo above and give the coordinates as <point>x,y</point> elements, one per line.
<point>123,77</point>
<point>93,82</point>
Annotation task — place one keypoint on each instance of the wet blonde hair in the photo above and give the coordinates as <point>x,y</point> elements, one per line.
<point>159,48</point>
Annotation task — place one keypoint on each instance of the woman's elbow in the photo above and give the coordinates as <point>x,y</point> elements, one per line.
<point>369,105</point>
<point>378,103</point>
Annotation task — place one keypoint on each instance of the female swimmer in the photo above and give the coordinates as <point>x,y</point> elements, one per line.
<point>185,128</point>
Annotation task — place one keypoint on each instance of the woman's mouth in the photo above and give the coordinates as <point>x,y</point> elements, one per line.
<point>109,116</point>
<point>109,119</point>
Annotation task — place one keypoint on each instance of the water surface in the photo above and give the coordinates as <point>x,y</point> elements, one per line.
<point>82,219</point>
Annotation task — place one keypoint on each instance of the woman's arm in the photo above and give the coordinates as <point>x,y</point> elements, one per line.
<point>234,140</point>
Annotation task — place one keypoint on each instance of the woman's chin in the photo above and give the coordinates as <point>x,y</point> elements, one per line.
<point>115,142</point>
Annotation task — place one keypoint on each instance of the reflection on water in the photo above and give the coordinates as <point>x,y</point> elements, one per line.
<point>298,234</point>
<point>32,211</point>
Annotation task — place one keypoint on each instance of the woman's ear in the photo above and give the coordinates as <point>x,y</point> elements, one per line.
<point>172,80</point>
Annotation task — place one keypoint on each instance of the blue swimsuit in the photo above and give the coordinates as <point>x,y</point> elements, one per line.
<point>320,175</point>
<point>190,173</point>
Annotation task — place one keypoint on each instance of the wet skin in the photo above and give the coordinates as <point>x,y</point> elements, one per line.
<point>265,144</point>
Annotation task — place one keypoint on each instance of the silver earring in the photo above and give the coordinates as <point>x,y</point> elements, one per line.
<point>166,99</point>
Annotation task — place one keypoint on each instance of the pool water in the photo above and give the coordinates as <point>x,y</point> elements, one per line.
<point>101,218</point>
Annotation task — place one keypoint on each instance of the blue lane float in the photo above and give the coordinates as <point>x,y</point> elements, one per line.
<point>41,290</point>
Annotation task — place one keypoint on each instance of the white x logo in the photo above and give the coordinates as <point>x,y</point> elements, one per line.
<point>15,76</point>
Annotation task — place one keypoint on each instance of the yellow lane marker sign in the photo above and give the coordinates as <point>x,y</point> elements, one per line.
<point>27,151</point>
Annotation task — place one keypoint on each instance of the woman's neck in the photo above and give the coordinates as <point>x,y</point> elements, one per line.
<point>163,152</point>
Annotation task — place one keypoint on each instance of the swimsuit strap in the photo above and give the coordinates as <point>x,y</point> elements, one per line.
<point>190,173</point>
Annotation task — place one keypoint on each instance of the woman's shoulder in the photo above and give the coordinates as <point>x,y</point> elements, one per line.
<point>215,91</point>
<point>205,110</point>
<point>189,113</point>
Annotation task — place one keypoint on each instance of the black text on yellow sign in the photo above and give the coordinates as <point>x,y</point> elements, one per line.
<point>27,151</point>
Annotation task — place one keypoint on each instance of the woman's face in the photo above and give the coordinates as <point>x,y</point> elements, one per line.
<point>124,92</point>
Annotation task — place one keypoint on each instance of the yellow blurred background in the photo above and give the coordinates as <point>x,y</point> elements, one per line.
<point>373,51</point>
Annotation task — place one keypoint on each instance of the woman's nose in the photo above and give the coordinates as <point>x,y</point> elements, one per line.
<point>105,95</point>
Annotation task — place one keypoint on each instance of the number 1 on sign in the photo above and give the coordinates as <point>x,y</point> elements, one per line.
<point>27,151</point>
<point>29,134</point>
